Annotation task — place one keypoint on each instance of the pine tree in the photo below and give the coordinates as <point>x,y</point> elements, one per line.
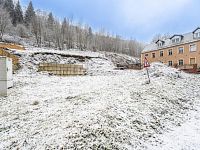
<point>9,6</point>
<point>64,26</point>
<point>90,36</point>
<point>18,14</point>
<point>29,14</point>
<point>1,2</point>
<point>50,28</point>
<point>64,29</point>
<point>50,21</point>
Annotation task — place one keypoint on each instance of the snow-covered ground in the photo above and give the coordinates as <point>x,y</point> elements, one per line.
<point>108,110</point>
<point>186,137</point>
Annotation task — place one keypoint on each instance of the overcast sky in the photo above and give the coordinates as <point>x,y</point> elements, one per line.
<point>137,19</point>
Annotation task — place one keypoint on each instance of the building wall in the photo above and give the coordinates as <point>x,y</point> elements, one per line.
<point>175,57</point>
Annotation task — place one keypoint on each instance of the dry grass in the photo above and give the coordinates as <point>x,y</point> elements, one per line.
<point>35,103</point>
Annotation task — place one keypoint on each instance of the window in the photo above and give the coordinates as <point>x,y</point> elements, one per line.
<point>176,40</point>
<point>146,55</point>
<point>197,35</point>
<point>180,50</point>
<point>193,48</point>
<point>180,62</point>
<point>170,52</point>
<point>192,61</point>
<point>160,44</point>
<point>153,55</point>
<point>170,63</point>
<point>161,53</point>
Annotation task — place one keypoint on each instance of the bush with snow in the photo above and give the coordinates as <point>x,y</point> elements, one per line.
<point>159,70</point>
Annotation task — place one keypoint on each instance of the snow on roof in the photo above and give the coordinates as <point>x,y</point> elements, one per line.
<point>188,37</point>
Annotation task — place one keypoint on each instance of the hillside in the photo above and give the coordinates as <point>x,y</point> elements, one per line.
<point>96,63</point>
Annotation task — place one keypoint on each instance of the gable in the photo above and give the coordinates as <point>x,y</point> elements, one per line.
<point>197,30</point>
<point>159,41</point>
<point>196,34</point>
<point>176,36</point>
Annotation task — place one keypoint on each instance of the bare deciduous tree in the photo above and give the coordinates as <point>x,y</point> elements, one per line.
<point>22,31</point>
<point>5,22</point>
<point>37,29</point>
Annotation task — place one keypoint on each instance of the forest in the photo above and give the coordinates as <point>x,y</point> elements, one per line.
<point>48,31</point>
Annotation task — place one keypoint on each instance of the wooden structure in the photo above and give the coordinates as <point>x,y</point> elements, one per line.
<point>62,69</point>
<point>128,66</point>
<point>15,59</point>
<point>11,46</point>
<point>189,68</point>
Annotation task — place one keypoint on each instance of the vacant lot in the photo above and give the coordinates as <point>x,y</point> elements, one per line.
<point>117,111</point>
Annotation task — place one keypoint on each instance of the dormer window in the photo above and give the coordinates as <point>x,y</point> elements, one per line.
<point>176,39</point>
<point>196,33</point>
<point>160,43</point>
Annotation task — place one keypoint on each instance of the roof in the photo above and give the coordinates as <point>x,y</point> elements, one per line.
<point>159,41</point>
<point>186,38</point>
<point>196,30</point>
<point>176,35</point>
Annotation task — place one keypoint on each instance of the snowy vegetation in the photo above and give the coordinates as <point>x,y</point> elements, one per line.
<point>49,31</point>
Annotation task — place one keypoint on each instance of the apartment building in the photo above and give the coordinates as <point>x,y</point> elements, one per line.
<point>178,50</point>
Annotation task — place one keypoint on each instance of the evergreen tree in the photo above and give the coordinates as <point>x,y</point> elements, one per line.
<point>50,21</point>
<point>64,25</point>
<point>18,14</point>
<point>29,14</point>
<point>1,2</point>
<point>9,6</point>
<point>90,32</point>
<point>90,37</point>
<point>64,29</point>
<point>50,28</point>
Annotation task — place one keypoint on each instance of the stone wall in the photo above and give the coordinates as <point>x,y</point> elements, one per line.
<point>62,69</point>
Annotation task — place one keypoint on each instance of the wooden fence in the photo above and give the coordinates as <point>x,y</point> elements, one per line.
<point>129,66</point>
<point>189,68</point>
<point>62,69</point>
